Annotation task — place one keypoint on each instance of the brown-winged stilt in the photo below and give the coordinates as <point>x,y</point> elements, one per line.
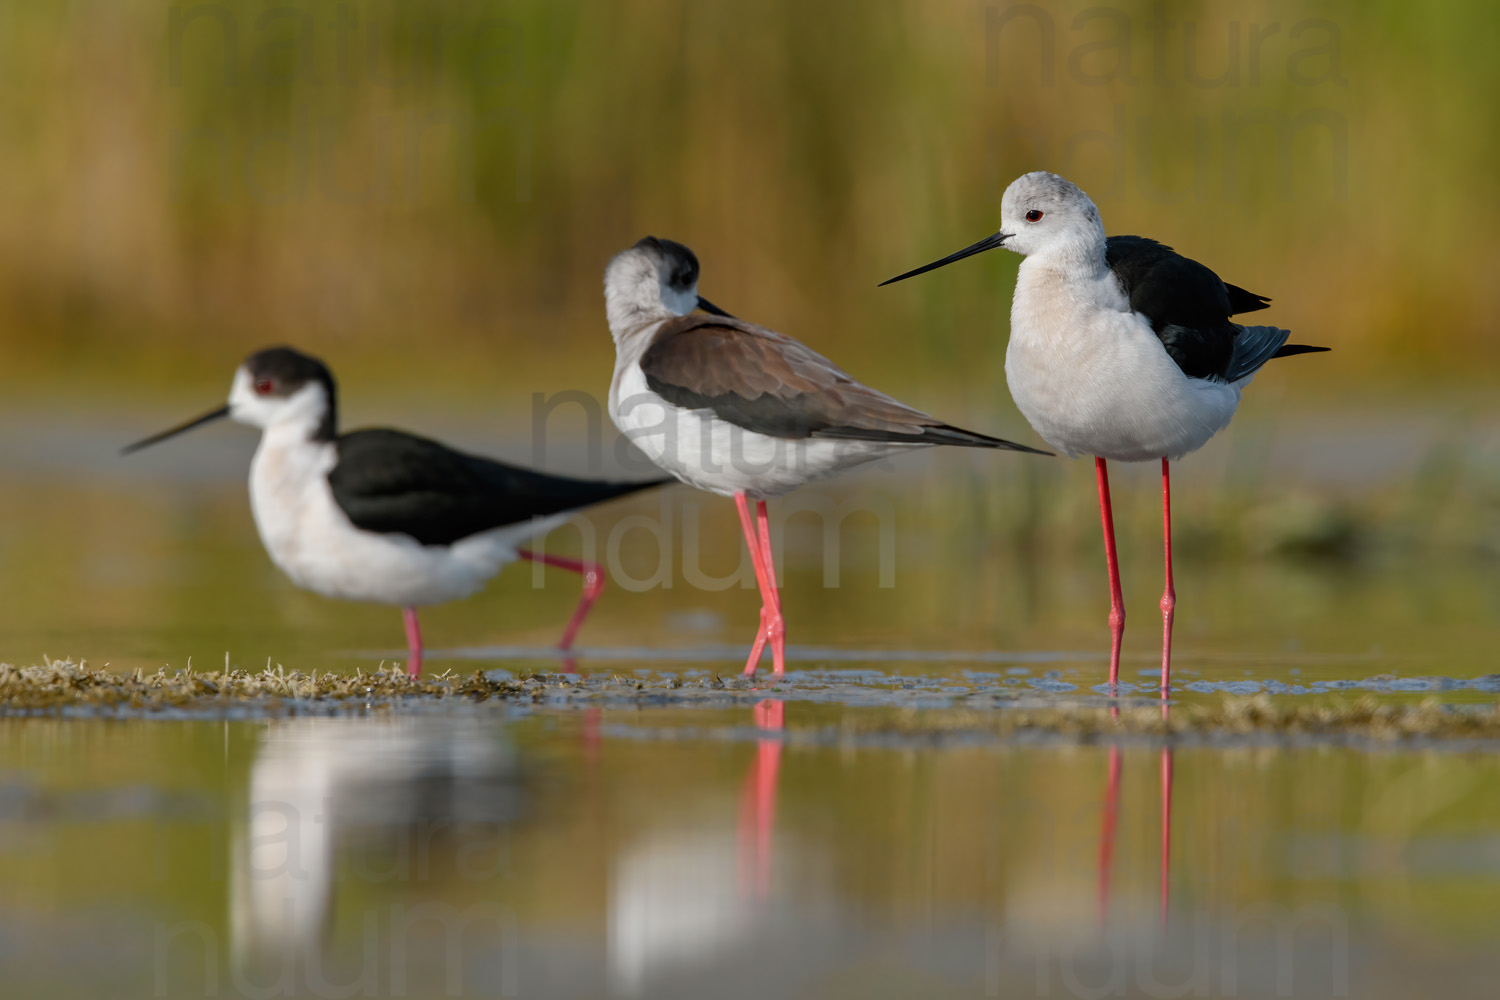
<point>739,410</point>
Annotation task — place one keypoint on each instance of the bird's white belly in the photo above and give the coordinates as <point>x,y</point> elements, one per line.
<point>310,539</point>
<point>1100,383</point>
<point>714,455</point>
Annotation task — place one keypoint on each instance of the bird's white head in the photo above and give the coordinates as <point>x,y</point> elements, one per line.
<point>276,389</point>
<point>1041,214</point>
<point>284,388</point>
<point>651,281</point>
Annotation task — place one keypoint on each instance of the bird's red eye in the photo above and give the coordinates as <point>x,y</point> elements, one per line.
<point>263,387</point>
<point>1034,216</point>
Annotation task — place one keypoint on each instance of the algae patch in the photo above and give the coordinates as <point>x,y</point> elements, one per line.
<point>63,686</point>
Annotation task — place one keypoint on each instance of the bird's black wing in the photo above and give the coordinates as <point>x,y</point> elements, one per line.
<point>1254,347</point>
<point>1189,308</point>
<point>1241,301</point>
<point>391,482</point>
<point>1187,304</point>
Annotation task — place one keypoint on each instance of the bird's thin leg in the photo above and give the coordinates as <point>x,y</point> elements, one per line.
<point>593,586</point>
<point>1169,596</point>
<point>413,642</point>
<point>1116,598</point>
<point>776,624</point>
<point>747,524</point>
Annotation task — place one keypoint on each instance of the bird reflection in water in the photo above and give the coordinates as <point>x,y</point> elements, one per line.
<point>674,904</point>
<point>372,798</point>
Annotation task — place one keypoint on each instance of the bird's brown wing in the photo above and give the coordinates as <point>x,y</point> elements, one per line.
<point>768,383</point>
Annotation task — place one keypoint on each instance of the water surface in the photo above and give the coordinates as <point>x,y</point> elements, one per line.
<point>789,841</point>
<point>574,854</point>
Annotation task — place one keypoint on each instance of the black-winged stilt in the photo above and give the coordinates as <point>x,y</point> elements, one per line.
<point>740,410</point>
<point>382,515</point>
<point>1120,348</point>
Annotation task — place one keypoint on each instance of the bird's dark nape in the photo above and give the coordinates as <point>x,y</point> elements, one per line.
<point>288,370</point>
<point>680,262</point>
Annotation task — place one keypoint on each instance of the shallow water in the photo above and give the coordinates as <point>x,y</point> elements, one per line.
<point>1290,565</point>
<point>577,854</point>
<point>808,839</point>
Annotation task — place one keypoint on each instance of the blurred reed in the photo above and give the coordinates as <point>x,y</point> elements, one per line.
<point>188,181</point>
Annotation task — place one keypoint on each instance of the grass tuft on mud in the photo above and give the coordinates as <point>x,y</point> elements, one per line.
<point>62,687</point>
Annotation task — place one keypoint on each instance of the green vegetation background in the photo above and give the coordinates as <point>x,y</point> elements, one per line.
<point>427,193</point>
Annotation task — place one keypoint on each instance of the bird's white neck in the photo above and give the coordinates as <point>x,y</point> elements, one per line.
<point>632,296</point>
<point>630,312</point>
<point>1079,257</point>
<point>295,435</point>
<point>290,470</point>
<point>1059,287</point>
<point>636,297</point>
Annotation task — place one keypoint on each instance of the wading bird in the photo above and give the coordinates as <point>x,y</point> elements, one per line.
<point>382,515</point>
<point>739,410</point>
<point>1120,348</point>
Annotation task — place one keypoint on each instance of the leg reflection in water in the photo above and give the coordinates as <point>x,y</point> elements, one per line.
<point>758,802</point>
<point>1111,815</point>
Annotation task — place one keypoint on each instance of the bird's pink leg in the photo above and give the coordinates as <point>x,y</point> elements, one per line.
<point>593,586</point>
<point>413,642</point>
<point>757,560</point>
<point>1116,598</point>
<point>776,626</point>
<point>1169,596</point>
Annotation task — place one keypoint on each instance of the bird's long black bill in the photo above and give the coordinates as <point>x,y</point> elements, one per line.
<point>709,307</point>
<point>207,418</point>
<point>988,243</point>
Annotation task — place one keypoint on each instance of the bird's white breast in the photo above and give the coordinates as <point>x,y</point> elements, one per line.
<point>1092,377</point>
<point>705,451</point>
<point>309,538</point>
